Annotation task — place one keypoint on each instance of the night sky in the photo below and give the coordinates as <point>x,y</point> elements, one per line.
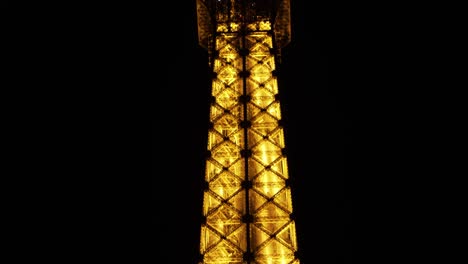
<point>317,112</point>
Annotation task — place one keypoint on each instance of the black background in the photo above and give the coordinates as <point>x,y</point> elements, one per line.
<point>361,118</point>
<point>316,93</point>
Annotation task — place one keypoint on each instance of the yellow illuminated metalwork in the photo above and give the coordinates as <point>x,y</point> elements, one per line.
<point>247,204</point>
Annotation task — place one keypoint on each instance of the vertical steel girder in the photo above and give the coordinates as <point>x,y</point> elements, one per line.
<point>247,206</point>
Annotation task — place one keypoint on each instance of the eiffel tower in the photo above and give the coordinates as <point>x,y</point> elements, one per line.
<point>247,206</point>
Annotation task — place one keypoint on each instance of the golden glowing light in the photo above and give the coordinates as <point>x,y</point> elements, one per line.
<point>247,203</point>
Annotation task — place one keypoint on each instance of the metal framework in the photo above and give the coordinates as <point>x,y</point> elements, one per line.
<point>247,205</point>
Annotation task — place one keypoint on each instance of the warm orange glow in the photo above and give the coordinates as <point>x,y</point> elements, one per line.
<point>239,184</point>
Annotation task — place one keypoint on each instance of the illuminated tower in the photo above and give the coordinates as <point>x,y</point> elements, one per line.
<point>247,205</point>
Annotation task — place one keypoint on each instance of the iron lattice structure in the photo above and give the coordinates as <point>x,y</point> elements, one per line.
<point>247,204</point>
